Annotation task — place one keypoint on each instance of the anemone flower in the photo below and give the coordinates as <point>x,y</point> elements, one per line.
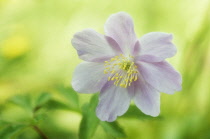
<point>122,67</point>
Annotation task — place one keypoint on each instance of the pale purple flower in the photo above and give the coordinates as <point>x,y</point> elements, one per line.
<point>122,67</point>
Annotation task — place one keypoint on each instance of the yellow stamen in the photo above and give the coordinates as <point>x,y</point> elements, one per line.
<point>122,70</point>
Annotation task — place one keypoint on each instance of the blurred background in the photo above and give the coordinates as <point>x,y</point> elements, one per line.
<point>37,62</point>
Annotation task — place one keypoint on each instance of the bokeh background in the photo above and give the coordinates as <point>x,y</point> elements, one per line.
<point>37,61</point>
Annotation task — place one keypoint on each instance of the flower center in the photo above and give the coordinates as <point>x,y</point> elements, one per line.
<point>122,70</point>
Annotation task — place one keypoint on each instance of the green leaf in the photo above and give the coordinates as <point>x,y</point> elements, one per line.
<point>89,121</point>
<point>134,112</point>
<point>3,124</point>
<point>22,101</point>
<point>11,131</point>
<point>55,104</point>
<point>70,95</point>
<point>40,117</point>
<point>113,129</point>
<point>42,99</point>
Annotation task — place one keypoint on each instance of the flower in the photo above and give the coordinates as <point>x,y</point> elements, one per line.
<point>122,67</point>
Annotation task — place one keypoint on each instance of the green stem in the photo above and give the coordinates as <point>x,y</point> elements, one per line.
<point>41,134</point>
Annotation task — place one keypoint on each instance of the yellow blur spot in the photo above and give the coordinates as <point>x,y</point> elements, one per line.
<point>14,47</point>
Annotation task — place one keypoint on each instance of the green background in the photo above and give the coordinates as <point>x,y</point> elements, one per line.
<point>37,61</point>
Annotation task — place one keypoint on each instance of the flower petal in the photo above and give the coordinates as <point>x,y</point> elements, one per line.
<point>88,77</point>
<point>146,98</point>
<point>161,75</point>
<point>93,46</point>
<point>114,101</point>
<point>157,44</point>
<point>136,49</point>
<point>120,27</point>
<point>148,58</point>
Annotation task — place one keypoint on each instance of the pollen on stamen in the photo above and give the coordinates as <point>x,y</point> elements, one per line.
<point>122,70</point>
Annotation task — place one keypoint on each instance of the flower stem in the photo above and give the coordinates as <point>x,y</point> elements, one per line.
<point>41,134</point>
